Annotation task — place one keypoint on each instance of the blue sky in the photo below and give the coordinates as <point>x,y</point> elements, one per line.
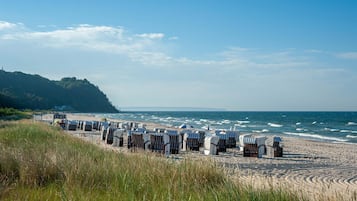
<point>234,55</point>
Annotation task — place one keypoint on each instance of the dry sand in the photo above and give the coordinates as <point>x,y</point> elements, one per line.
<point>318,169</point>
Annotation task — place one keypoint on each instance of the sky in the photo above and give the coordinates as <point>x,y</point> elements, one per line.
<point>272,55</point>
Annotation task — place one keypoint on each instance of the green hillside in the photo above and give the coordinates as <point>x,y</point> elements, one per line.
<point>25,91</point>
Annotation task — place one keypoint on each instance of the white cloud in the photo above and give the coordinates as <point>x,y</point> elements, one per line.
<point>314,51</point>
<point>6,25</point>
<point>173,38</point>
<point>73,35</point>
<point>113,40</point>
<point>348,55</point>
<point>256,58</point>
<point>151,35</point>
<point>146,49</point>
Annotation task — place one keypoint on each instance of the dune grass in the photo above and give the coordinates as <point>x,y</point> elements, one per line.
<point>39,162</point>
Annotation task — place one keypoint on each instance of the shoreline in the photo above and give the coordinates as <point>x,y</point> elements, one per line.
<point>314,167</point>
<point>301,136</point>
<point>311,129</point>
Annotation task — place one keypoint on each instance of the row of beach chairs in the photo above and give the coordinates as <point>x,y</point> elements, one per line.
<point>170,141</point>
<point>135,136</point>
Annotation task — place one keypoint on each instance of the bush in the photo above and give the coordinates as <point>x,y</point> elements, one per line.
<point>13,114</point>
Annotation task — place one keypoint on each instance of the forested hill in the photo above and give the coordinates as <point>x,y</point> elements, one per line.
<point>25,91</point>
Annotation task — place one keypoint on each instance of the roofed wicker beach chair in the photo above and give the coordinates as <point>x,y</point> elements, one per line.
<point>87,126</point>
<point>211,145</point>
<point>118,138</point>
<point>191,141</point>
<point>277,146</point>
<point>254,146</point>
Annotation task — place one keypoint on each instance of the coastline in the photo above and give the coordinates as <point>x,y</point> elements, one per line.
<point>315,168</point>
<point>322,126</point>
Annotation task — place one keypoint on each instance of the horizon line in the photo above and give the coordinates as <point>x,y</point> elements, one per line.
<point>199,109</point>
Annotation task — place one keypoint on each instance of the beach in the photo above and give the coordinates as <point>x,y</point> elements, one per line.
<point>317,169</point>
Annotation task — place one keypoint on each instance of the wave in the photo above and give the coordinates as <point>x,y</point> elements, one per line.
<point>275,125</point>
<point>240,125</point>
<point>310,135</point>
<point>298,123</point>
<point>332,129</point>
<point>243,122</point>
<point>260,131</point>
<point>226,121</point>
<point>206,127</point>
<point>351,136</point>
<point>302,129</point>
<point>351,123</point>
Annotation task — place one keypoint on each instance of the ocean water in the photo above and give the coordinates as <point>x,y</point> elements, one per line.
<point>324,126</point>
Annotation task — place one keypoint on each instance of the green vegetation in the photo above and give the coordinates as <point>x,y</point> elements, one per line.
<point>24,91</point>
<point>39,162</point>
<point>13,114</point>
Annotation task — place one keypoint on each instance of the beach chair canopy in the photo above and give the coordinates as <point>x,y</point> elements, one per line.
<point>185,126</point>
<point>277,139</point>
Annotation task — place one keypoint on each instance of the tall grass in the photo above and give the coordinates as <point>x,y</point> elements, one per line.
<point>39,162</point>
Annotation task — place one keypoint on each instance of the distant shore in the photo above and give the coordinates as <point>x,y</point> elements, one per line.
<point>315,168</point>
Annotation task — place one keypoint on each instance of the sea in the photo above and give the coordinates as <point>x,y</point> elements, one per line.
<point>334,127</point>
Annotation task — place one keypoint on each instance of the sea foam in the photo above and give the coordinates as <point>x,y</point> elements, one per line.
<point>275,125</point>
<point>332,129</point>
<point>243,122</point>
<point>240,125</point>
<point>351,123</point>
<point>310,135</point>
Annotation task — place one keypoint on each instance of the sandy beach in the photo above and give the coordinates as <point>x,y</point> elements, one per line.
<point>319,170</point>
